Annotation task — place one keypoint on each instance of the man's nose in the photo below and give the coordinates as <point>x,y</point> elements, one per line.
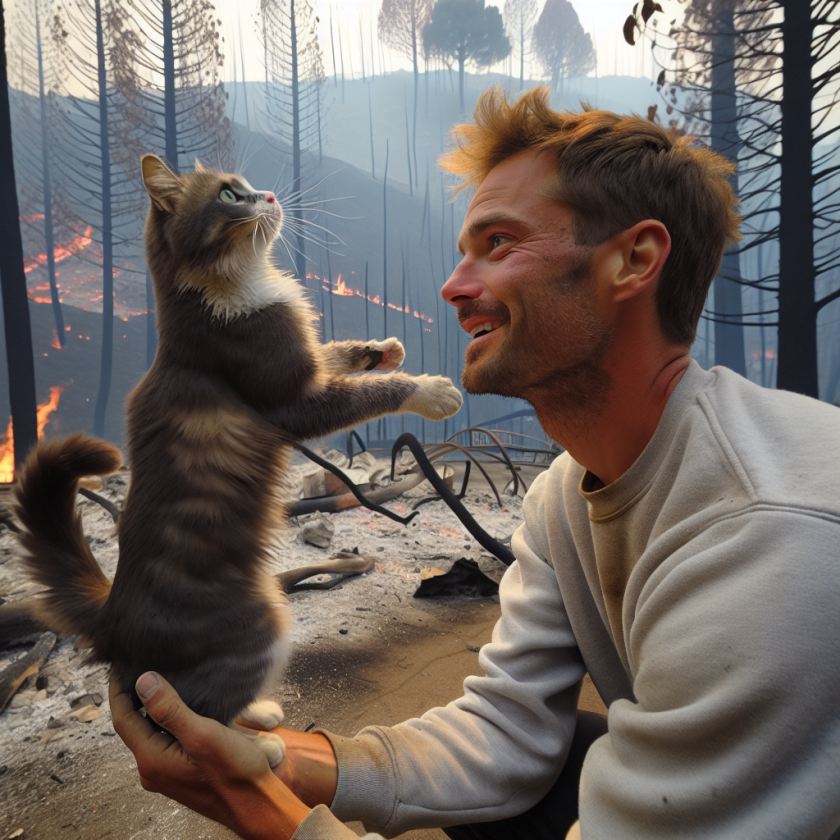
<point>463,284</point>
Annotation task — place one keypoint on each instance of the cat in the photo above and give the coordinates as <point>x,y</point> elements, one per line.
<point>238,378</point>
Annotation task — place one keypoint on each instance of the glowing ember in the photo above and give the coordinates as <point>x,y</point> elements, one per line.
<point>7,447</point>
<point>451,532</point>
<point>55,343</point>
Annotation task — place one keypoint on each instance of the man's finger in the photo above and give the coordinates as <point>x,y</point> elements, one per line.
<point>165,707</point>
<point>129,724</point>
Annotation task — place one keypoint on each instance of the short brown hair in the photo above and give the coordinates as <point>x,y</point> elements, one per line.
<point>613,172</point>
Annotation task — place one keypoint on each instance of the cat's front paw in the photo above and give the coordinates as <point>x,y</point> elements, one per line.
<point>434,398</point>
<point>385,355</point>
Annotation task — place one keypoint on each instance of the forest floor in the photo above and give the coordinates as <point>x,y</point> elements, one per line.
<point>366,652</point>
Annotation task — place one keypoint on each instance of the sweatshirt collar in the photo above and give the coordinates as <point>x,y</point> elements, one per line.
<point>613,499</point>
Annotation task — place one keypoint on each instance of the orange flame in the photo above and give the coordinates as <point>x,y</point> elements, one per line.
<point>61,252</point>
<point>341,288</point>
<point>55,342</point>
<point>7,456</point>
<point>7,447</point>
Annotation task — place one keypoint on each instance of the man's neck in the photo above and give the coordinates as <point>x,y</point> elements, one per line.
<point>609,441</point>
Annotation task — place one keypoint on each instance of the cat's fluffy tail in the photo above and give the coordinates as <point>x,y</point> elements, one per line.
<point>56,551</point>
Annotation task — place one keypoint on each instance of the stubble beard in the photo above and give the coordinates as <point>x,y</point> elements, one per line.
<point>574,390</point>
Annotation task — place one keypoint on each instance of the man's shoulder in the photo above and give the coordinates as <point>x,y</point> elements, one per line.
<point>787,444</point>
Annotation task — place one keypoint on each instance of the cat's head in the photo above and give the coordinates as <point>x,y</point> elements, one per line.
<point>208,222</point>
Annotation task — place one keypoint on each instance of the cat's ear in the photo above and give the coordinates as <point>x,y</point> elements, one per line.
<point>163,185</point>
<point>198,166</point>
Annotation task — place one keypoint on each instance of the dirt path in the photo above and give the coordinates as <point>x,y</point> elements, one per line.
<point>84,785</point>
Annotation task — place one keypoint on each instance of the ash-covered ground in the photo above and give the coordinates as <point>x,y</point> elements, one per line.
<point>359,648</point>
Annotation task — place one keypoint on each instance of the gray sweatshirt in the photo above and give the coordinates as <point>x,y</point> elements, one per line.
<point>701,591</point>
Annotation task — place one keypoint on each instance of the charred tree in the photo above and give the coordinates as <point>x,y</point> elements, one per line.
<point>797,370</point>
<point>31,121</point>
<point>169,66</point>
<point>294,104</point>
<point>88,178</point>
<point>400,24</point>
<point>21,365</point>
<point>783,128</point>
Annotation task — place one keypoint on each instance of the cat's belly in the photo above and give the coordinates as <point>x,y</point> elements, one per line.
<point>219,645</point>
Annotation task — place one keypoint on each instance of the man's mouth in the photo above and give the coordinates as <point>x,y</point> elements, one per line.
<point>482,329</point>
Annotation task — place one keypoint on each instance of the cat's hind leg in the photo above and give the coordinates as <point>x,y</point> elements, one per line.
<point>263,715</point>
<point>270,744</point>
<point>343,357</point>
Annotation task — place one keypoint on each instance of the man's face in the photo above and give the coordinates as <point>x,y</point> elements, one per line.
<point>525,279</point>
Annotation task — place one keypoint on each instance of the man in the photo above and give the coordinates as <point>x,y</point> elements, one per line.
<point>683,551</point>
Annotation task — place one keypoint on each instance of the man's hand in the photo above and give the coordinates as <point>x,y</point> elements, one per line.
<point>211,769</point>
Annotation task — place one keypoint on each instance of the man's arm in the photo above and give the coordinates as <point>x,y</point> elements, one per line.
<point>496,750</point>
<point>218,772</point>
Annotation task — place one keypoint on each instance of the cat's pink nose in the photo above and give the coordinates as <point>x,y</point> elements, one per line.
<point>270,198</point>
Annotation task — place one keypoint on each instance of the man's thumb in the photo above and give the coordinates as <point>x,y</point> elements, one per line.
<point>162,702</point>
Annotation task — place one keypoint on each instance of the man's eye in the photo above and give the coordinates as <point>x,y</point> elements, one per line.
<point>228,196</point>
<point>497,240</point>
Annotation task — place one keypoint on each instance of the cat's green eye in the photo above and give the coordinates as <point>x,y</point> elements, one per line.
<point>228,196</point>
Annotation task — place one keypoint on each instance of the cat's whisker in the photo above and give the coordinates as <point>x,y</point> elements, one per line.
<point>314,201</point>
<point>339,216</point>
<point>311,237</point>
<point>286,246</point>
<point>256,218</point>
<point>309,223</point>
<point>287,242</point>
<point>320,243</point>
<point>279,178</point>
<point>307,209</point>
<point>314,186</point>
<point>247,160</point>
<point>304,208</point>
<point>311,206</point>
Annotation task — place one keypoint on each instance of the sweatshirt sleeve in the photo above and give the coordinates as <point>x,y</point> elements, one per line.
<point>496,750</point>
<point>320,824</point>
<point>732,638</point>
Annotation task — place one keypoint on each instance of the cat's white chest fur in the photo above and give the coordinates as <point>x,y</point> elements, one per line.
<point>243,289</point>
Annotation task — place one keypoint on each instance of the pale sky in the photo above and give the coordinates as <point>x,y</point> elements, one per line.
<point>603,19</point>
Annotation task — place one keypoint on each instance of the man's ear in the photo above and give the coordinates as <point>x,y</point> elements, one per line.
<point>643,250</point>
<point>163,185</point>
